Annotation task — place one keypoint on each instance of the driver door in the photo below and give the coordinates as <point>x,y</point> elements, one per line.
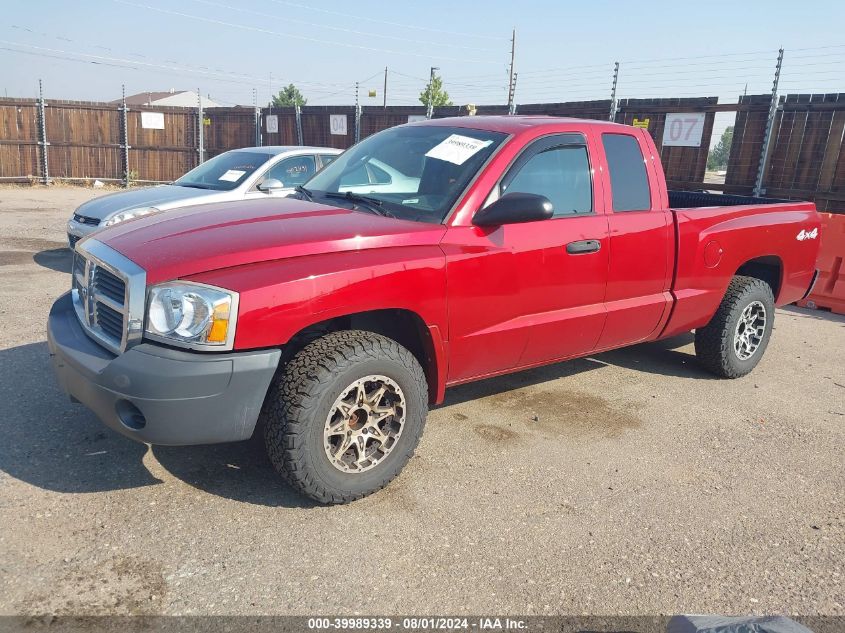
<point>529,293</point>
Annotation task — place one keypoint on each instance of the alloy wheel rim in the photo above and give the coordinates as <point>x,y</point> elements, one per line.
<point>750,328</point>
<point>364,424</point>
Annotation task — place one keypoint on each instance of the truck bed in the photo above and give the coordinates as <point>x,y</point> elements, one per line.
<point>716,235</point>
<point>693,199</point>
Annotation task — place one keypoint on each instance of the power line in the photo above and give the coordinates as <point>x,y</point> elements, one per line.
<point>256,29</point>
<point>202,70</point>
<point>358,17</point>
<point>53,53</point>
<point>339,28</point>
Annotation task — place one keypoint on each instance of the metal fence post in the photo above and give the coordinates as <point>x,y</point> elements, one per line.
<point>200,135</point>
<point>42,125</point>
<point>124,124</point>
<point>613,92</point>
<point>767,134</point>
<point>357,115</point>
<point>257,115</point>
<point>298,111</point>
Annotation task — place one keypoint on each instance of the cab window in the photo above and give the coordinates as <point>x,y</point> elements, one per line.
<point>561,174</point>
<point>628,179</point>
<point>293,171</point>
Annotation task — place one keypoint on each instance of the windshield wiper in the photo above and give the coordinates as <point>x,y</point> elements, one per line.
<point>305,192</point>
<point>191,184</point>
<point>373,204</point>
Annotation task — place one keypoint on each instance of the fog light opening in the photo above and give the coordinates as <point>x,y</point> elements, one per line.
<point>130,415</point>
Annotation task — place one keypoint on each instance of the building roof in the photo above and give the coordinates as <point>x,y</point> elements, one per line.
<point>145,98</point>
<point>161,98</point>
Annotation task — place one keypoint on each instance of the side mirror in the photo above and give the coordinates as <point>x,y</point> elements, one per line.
<point>270,185</point>
<point>513,208</point>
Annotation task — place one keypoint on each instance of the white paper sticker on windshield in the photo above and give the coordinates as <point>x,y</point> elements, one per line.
<point>457,149</point>
<point>233,175</point>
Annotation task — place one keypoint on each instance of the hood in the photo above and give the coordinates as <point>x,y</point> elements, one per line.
<point>161,196</point>
<point>209,237</point>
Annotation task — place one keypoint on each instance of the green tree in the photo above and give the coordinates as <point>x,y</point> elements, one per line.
<point>288,96</point>
<point>718,156</point>
<point>439,97</point>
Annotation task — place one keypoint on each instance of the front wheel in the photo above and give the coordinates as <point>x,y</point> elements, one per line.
<point>344,416</point>
<point>734,341</point>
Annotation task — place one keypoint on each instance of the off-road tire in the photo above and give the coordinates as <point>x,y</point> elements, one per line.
<point>714,343</point>
<point>302,394</point>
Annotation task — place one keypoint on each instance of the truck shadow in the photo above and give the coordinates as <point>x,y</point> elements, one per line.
<point>664,357</point>
<point>58,259</point>
<point>660,357</point>
<point>238,471</point>
<point>62,447</point>
<point>55,445</point>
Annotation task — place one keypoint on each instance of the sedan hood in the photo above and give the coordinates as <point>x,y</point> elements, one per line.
<point>161,196</point>
<point>209,237</point>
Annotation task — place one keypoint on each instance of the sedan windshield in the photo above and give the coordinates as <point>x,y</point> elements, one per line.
<point>224,172</point>
<point>410,172</point>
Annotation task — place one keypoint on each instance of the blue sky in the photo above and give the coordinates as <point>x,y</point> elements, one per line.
<point>565,51</point>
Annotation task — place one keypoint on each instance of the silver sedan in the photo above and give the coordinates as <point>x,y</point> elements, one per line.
<point>240,174</point>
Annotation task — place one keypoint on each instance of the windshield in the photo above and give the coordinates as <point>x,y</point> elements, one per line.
<point>412,172</point>
<point>224,172</point>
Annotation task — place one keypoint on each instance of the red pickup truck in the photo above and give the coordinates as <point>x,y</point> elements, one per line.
<point>426,256</point>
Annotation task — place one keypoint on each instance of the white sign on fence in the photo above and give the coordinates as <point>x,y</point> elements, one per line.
<point>272,123</point>
<point>413,118</point>
<point>337,124</point>
<point>683,129</point>
<point>152,120</point>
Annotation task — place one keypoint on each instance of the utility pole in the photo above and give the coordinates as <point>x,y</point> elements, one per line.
<point>430,111</point>
<point>767,135</point>
<point>384,96</point>
<point>613,92</point>
<point>512,105</point>
<point>510,72</point>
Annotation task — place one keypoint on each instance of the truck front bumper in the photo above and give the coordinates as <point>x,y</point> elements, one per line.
<point>156,394</point>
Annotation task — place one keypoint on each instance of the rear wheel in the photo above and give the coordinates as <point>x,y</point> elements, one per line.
<point>734,341</point>
<point>344,416</point>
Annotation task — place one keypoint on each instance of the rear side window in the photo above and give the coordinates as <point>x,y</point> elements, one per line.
<point>562,174</point>
<point>628,179</point>
<point>294,171</point>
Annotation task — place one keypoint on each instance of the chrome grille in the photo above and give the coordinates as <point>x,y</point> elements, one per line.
<point>110,321</point>
<point>109,285</point>
<point>83,219</point>
<point>108,294</point>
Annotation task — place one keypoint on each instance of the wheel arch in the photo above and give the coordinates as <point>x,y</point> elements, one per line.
<point>766,268</point>
<point>404,326</point>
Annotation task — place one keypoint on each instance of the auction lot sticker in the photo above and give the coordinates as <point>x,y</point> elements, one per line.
<point>457,149</point>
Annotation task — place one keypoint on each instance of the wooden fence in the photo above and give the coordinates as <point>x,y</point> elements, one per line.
<point>87,140</point>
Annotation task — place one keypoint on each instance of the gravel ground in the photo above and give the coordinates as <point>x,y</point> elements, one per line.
<point>644,486</point>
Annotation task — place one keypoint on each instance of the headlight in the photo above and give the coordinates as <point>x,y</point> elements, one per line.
<point>192,315</point>
<point>129,215</point>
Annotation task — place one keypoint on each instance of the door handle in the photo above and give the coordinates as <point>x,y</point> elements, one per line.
<point>582,247</point>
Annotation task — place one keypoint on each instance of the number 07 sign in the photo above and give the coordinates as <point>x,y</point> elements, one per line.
<point>683,129</point>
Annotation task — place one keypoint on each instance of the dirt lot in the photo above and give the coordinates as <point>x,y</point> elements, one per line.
<point>644,487</point>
